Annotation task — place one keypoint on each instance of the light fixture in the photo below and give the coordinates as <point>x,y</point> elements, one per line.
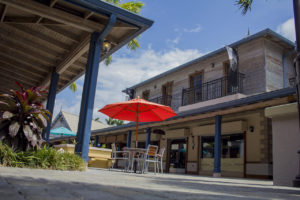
<point>251,128</point>
<point>106,46</point>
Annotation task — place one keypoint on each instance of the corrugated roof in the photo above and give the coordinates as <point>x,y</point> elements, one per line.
<point>72,121</point>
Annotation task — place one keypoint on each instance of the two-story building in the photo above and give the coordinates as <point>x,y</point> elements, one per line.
<point>206,97</point>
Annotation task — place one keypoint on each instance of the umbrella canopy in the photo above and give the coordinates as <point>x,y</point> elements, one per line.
<point>138,110</point>
<point>62,131</point>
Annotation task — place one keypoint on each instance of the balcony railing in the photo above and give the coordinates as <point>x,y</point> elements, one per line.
<point>211,90</point>
<point>164,100</point>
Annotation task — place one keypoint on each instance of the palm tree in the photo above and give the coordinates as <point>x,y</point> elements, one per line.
<point>244,5</point>
<point>132,6</point>
<point>116,122</point>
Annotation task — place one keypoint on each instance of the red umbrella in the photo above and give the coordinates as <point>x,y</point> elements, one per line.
<point>138,110</point>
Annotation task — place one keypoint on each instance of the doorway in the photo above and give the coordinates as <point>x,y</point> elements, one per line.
<point>177,156</point>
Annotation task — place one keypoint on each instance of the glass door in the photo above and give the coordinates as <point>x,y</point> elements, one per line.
<point>177,157</point>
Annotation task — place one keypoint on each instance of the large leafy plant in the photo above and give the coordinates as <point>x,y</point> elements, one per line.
<point>23,118</point>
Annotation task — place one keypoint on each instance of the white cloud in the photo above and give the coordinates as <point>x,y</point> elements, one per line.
<point>287,29</point>
<point>126,71</point>
<point>174,41</point>
<point>197,29</point>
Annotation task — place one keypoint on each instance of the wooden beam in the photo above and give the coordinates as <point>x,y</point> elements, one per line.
<point>52,3</point>
<point>9,42</point>
<point>71,57</point>
<point>17,62</point>
<point>20,71</point>
<point>17,76</point>
<point>10,53</point>
<point>28,20</point>
<point>9,33</point>
<point>9,79</point>
<point>63,33</point>
<point>56,44</point>
<point>27,53</point>
<point>3,12</point>
<point>87,15</point>
<point>54,14</point>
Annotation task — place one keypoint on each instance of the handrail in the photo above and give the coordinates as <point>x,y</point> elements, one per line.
<point>213,89</point>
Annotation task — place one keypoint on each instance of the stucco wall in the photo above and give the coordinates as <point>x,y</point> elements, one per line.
<point>286,137</point>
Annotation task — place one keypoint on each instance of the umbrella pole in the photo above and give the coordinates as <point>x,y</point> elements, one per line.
<point>136,134</point>
<point>137,126</point>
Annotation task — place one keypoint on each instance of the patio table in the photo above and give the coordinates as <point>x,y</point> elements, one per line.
<point>133,152</point>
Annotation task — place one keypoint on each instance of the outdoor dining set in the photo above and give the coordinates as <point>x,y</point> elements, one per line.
<point>138,159</point>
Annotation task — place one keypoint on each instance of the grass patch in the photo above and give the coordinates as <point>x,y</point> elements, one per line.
<point>44,158</point>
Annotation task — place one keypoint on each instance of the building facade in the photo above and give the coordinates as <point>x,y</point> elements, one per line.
<point>218,112</point>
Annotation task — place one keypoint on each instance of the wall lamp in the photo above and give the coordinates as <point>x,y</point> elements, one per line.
<point>106,46</point>
<point>251,128</point>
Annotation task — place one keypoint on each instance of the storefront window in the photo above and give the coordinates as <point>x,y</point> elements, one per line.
<point>232,146</point>
<point>208,147</point>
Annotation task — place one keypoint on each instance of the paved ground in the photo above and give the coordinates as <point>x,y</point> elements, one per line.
<point>29,184</point>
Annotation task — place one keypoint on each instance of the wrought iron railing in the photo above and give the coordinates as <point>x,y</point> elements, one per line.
<point>213,89</point>
<point>164,100</point>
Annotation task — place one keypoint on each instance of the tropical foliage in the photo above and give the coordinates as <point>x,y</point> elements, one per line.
<point>44,158</point>
<point>22,118</point>
<point>244,5</point>
<point>115,122</point>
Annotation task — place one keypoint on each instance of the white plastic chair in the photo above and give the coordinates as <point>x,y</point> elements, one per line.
<point>118,155</point>
<point>150,157</point>
<point>159,158</point>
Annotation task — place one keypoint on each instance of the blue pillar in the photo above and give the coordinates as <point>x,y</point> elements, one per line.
<point>217,147</point>
<point>148,137</point>
<point>51,102</point>
<point>89,89</point>
<point>96,141</point>
<point>129,139</point>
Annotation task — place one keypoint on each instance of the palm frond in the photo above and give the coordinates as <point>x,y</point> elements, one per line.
<point>73,87</point>
<point>245,5</point>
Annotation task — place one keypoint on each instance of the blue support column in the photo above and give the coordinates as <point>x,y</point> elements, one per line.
<point>51,102</point>
<point>89,89</point>
<point>96,141</point>
<point>217,147</point>
<point>148,137</point>
<point>129,139</point>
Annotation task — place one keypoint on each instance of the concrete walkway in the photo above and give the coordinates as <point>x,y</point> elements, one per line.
<point>32,184</point>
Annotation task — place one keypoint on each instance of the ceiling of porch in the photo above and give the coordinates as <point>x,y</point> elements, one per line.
<point>38,35</point>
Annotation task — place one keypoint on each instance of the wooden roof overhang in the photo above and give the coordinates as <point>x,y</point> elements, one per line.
<point>251,103</point>
<point>38,35</point>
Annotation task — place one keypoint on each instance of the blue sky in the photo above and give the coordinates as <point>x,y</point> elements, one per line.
<point>182,31</point>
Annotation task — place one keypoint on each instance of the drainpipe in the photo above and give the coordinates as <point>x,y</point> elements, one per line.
<point>284,56</point>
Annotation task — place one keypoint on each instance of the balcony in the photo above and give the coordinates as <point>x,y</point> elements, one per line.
<point>164,100</point>
<point>212,90</point>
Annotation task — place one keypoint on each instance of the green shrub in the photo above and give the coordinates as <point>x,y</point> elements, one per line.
<point>44,158</point>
